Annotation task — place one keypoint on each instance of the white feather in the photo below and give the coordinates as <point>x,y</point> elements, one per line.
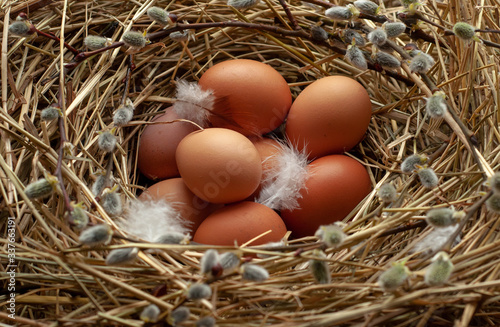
<point>283,181</point>
<point>436,239</point>
<point>193,103</point>
<point>150,219</point>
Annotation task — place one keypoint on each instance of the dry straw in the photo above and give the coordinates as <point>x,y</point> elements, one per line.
<point>60,282</point>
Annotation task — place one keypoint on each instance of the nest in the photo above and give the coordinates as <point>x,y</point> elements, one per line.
<point>57,281</point>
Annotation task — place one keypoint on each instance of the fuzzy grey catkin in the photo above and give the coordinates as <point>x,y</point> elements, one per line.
<point>384,48</point>
<point>40,189</point>
<point>436,105</point>
<point>173,238</point>
<point>205,322</point>
<point>95,235</point>
<point>118,257</point>
<point>355,56</point>
<point>410,164</point>
<point>199,292</point>
<point>378,36</point>
<point>179,315</point>
<point>493,203</point>
<point>106,141</point>
<point>394,29</point>
<point>421,63</point>
<point>179,36</point>
<point>78,217</point>
<point>440,217</point>
<point>439,271</point>
<point>95,42</point>
<point>150,313</point>
<point>253,273</point>
<point>332,235</point>
<point>428,177</point>
<point>243,4</point>
<point>367,7</point>
<point>407,3</point>
<point>494,183</point>
<point>208,261</point>
<point>464,31</point>
<point>99,185</point>
<point>350,34</point>
<point>50,113</point>
<point>318,33</point>
<point>319,268</point>
<point>338,13</point>
<point>122,116</point>
<point>111,202</point>
<point>387,193</point>
<point>387,61</point>
<point>229,261</point>
<point>393,277</point>
<point>20,28</point>
<point>134,39</point>
<point>159,15</point>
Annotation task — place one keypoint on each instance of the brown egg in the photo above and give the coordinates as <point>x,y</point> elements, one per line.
<point>337,183</point>
<point>219,165</point>
<point>173,190</point>
<point>268,149</point>
<point>329,116</point>
<point>251,97</point>
<point>240,222</point>
<point>156,155</point>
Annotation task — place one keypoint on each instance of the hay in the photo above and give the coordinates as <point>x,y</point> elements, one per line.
<point>59,283</point>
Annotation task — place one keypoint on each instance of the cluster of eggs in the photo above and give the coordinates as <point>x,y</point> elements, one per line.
<point>214,174</point>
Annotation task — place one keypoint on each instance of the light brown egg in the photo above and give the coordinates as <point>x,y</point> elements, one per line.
<point>219,165</point>
<point>156,154</point>
<point>268,150</point>
<point>335,186</point>
<point>192,209</point>
<point>329,116</point>
<point>240,222</point>
<point>251,97</point>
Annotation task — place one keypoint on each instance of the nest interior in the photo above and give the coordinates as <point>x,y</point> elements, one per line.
<point>59,282</point>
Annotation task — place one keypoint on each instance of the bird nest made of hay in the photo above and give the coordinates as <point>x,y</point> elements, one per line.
<point>51,279</point>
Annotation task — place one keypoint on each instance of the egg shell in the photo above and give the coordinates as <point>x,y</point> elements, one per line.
<point>156,154</point>
<point>268,150</point>
<point>192,209</point>
<point>335,186</point>
<point>251,97</point>
<point>219,165</point>
<point>240,222</point>
<point>329,116</point>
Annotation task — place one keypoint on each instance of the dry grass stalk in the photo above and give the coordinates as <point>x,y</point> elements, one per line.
<point>60,283</point>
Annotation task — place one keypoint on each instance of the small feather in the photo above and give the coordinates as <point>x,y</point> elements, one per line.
<point>193,103</point>
<point>436,239</point>
<point>283,181</point>
<point>150,219</point>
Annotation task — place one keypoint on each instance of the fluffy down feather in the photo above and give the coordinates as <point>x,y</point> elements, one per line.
<point>436,239</point>
<point>282,182</point>
<point>193,103</point>
<point>151,219</point>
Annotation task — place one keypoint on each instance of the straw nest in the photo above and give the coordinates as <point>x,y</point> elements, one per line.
<point>59,282</point>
